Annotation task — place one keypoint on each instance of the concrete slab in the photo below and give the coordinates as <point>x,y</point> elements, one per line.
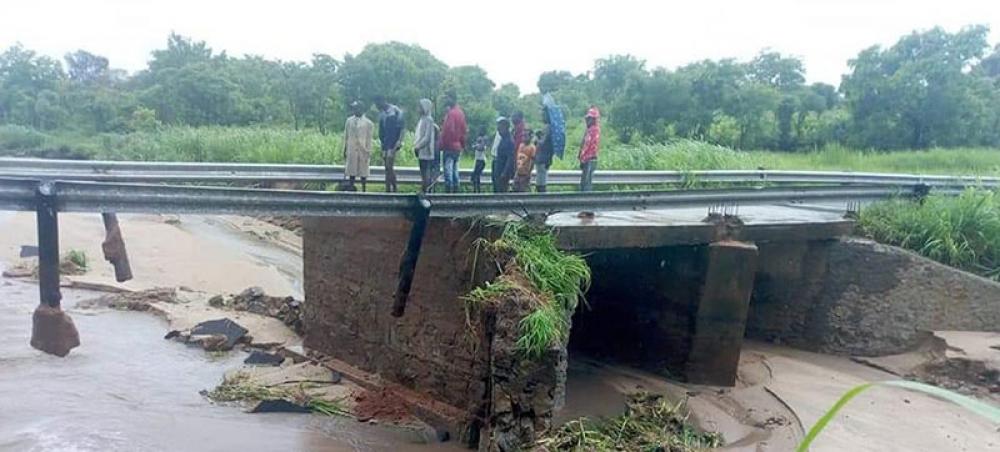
<point>688,226</point>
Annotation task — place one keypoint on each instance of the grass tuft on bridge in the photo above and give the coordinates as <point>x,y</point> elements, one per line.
<point>533,267</point>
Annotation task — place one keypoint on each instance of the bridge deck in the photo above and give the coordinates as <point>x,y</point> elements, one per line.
<point>689,226</point>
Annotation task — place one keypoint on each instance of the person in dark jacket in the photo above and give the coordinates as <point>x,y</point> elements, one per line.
<point>504,159</point>
<point>390,133</point>
<point>543,156</point>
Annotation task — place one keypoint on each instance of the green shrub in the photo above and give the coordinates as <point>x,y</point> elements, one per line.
<point>13,137</point>
<point>962,231</point>
<point>77,257</point>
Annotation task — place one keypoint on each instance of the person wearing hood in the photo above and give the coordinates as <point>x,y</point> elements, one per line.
<point>589,149</point>
<point>424,141</point>
<point>358,145</point>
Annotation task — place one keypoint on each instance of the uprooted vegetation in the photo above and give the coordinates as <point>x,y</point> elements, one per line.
<point>650,422</point>
<point>241,387</point>
<point>532,268</point>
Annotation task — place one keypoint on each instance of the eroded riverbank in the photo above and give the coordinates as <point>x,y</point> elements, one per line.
<point>126,388</point>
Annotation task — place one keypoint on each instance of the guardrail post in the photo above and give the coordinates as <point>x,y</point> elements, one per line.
<point>408,264</point>
<point>52,329</point>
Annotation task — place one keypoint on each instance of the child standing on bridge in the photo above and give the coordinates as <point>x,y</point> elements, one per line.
<point>525,160</point>
<point>479,148</point>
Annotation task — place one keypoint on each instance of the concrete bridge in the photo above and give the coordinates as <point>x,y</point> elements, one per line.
<point>677,285</point>
<point>674,292</point>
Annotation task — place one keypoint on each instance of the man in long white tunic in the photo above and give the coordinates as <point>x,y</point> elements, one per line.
<point>358,145</point>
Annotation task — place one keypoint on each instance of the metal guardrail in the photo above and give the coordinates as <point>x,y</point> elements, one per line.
<point>113,171</point>
<point>48,197</point>
<point>75,196</point>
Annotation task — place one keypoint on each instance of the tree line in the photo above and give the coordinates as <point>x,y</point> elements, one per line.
<point>931,88</point>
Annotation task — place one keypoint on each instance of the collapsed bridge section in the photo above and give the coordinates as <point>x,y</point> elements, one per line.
<point>670,293</point>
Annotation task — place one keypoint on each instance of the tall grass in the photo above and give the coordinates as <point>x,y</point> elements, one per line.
<point>962,231</point>
<point>281,145</point>
<point>558,279</point>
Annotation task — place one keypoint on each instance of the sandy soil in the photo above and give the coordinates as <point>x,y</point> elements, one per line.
<point>165,251</point>
<point>881,419</point>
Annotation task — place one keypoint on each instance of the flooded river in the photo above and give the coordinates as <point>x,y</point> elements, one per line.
<point>127,389</point>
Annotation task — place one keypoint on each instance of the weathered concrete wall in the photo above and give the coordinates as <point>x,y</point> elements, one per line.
<point>679,311</point>
<point>437,348</point>
<point>859,297</point>
<point>351,273</point>
<point>641,305</point>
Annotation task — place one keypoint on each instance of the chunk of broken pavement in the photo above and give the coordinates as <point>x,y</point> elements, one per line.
<point>279,406</point>
<point>230,330</point>
<point>259,358</point>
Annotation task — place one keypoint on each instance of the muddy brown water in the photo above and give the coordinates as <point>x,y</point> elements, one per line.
<point>126,388</point>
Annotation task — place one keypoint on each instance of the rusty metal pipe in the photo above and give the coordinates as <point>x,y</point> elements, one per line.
<point>408,264</point>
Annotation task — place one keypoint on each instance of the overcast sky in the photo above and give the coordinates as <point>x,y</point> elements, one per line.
<point>514,40</point>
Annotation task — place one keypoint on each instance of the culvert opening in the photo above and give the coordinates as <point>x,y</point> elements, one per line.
<point>640,308</point>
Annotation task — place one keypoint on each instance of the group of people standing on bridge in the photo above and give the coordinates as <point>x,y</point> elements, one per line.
<point>515,149</point>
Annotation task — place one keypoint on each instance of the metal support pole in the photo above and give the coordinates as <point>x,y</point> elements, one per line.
<point>48,246</point>
<point>408,264</point>
<point>52,330</point>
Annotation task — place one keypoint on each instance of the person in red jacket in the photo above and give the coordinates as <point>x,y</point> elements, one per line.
<point>452,142</point>
<point>589,148</point>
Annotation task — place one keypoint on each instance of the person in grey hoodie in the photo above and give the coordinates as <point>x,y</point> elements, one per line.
<point>424,140</point>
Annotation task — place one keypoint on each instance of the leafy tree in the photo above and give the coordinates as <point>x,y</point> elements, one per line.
<point>914,93</point>
<point>24,77</point>
<point>612,74</point>
<point>783,73</point>
<point>402,73</point>
<point>552,81</point>
<point>88,69</point>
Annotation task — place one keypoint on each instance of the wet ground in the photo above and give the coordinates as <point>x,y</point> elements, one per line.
<point>126,388</point>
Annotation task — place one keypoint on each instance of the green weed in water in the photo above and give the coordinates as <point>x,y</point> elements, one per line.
<point>650,423</point>
<point>77,257</point>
